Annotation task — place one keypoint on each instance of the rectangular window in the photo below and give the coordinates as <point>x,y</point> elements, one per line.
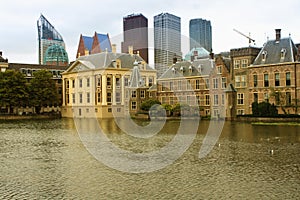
<point>236,64</point>
<point>240,112</point>
<point>133,94</point>
<point>150,81</point>
<point>198,99</point>
<point>99,97</point>
<point>277,98</point>
<point>197,84</point>
<point>80,98</point>
<point>108,98</point>
<point>243,81</point>
<point>88,82</point>
<point>171,86</point>
<point>219,69</point>
<point>118,97</point>
<point>240,98</point>
<point>108,81</point>
<point>215,83</point>
<point>224,84</point>
<point>244,63</point>
<point>255,97</point>
<point>266,80</point>
<point>179,85</point>
<point>277,79</point>
<point>80,83</point>
<point>133,105</point>
<point>73,83</point>
<point>118,109</point>
<point>288,78</point>
<point>237,81</point>
<point>109,110</point>
<point>126,80</point>
<point>67,84</point>
<point>88,98</point>
<point>288,98</point>
<point>206,83</point>
<point>216,99</point>
<point>73,98</point>
<point>223,99</point>
<point>255,80</point>
<point>266,97</point>
<point>207,100</point>
<point>118,82</point>
<point>99,81</point>
<point>142,93</point>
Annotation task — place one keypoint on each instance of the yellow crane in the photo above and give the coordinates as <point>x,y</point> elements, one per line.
<point>250,39</point>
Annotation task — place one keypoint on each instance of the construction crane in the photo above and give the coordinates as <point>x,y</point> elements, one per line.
<point>250,39</point>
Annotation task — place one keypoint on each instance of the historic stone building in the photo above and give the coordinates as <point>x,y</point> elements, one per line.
<point>267,74</point>
<point>201,83</point>
<point>101,85</point>
<point>242,58</point>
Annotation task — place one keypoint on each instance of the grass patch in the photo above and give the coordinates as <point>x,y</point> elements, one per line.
<point>276,123</point>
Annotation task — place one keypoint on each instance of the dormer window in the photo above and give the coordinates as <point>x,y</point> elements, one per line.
<point>282,53</point>
<point>190,69</point>
<point>200,68</point>
<point>173,70</point>
<point>264,55</point>
<point>181,68</point>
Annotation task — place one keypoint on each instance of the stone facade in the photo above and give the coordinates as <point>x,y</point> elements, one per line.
<point>97,85</point>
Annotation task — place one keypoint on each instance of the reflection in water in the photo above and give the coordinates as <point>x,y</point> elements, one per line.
<point>46,160</point>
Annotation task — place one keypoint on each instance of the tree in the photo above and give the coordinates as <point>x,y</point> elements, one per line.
<point>146,105</point>
<point>13,89</point>
<point>42,90</point>
<point>264,109</point>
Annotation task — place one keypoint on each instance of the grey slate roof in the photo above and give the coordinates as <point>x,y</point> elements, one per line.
<point>183,69</point>
<point>135,78</point>
<point>107,59</point>
<point>273,49</point>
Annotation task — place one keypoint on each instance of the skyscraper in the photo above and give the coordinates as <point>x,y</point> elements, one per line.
<point>200,34</point>
<point>49,37</point>
<point>135,34</point>
<point>167,41</point>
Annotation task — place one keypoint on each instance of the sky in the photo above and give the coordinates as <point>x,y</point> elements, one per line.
<point>18,32</point>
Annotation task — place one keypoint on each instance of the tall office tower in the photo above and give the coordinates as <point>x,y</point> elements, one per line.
<point>167,41</point>
<point>200,34</point>
<point>51,44</point>
<point>135,35</point>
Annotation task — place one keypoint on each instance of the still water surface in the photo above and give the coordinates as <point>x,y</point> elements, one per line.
<point>45,159</point>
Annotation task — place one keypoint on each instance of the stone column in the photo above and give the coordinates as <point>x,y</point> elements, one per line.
<point>64,92</point>
<point>104,94</point>
<point>114,90</point>
<point>123,90</point>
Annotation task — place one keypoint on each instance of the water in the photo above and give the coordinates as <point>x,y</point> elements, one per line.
<point>45,159</point>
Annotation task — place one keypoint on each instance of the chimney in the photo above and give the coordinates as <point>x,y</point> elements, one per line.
<point>0,53</point>
<point>278,35</point>
<point>114,48</point>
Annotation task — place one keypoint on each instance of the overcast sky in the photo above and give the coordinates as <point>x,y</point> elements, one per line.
<point>18,33</point>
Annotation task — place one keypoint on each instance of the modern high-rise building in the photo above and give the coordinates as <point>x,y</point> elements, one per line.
<point>167,41</point>
<point>200,34</point>
<point>51,44</point>
<point>135,35</point>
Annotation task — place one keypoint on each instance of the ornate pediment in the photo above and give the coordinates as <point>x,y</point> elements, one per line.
<point>78,67</point>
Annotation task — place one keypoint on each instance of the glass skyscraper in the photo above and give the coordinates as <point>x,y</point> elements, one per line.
<point>200,34</point>
<point>167,41</point>
<point>49,37</point>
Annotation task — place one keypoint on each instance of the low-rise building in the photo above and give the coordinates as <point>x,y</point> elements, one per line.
<point>100,85</point>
